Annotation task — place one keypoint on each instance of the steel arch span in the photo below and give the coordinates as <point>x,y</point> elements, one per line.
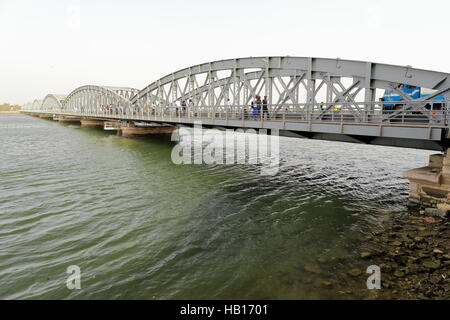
<point>289,80</point>
<point>53,102</point>
<point>95,98</point>
<point>37,104</point>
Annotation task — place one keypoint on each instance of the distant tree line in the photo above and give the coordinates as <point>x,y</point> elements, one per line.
<point>9,107</point>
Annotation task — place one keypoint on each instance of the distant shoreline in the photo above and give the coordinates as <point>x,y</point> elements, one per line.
<point>10,112</point>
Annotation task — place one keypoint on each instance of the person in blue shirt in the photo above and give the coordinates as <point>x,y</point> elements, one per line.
<point>255,110</point>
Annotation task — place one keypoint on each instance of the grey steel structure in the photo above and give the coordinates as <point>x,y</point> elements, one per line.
<point>331,99</point>
<point>53,102</point>
<point>90,98</point>
<point>36,105</point>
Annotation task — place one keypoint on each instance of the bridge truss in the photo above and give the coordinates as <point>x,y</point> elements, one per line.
<point>53,102</point>
<point>312,84</point>
<point>96,98</point>
<point>309,96</point>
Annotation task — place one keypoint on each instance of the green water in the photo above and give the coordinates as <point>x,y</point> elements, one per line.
<point>141,227</point>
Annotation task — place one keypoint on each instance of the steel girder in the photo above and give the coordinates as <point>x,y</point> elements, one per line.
<point>282,78</point>
<point>91,98</point>
<point>37,104</point>
<point>53,102</point>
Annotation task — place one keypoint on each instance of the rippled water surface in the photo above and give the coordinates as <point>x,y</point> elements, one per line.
<point>141,227</point>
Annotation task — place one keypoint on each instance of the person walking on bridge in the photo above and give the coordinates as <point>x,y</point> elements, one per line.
<point>184,105</point>
<point>265,108</point>
<point>258,105</point>
<point>228,107</point>
<point>255,109</point>
<point>177,106</point>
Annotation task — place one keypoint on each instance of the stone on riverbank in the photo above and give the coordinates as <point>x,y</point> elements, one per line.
<point>355,272</point>
<point>432,264</point>
<point>434,212</point>
<point>312,269</point>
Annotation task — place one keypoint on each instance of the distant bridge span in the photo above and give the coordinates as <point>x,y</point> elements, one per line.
<point>330,99</point>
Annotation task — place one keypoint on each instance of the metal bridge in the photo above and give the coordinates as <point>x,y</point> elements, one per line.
<point>329,99</point>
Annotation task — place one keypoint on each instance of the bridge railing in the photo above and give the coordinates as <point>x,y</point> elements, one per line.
<point>417,112</point>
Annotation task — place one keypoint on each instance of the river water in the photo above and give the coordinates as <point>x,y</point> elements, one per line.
<point>140,227</point>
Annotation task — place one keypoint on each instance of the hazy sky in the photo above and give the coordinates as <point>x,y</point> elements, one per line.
<point>56,46</point>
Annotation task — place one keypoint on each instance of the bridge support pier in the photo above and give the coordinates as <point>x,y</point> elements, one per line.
<point>45,116</point>
<point>430,185</point>
<point>68,119</point>
<point>130,130</point>
<point>91,122</point>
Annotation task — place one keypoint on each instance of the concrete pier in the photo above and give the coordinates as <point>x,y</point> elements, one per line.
<point>46,116</point>
<point>112,125</point>
<point>91,122</point>
<point>130,130</point>
<point>430,185</point>
<point>65,119</point>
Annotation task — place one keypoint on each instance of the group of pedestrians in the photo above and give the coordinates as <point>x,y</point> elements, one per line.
<point>112,109</point>
<point>259,105</point>
<point>258,108</point>
<point>182,105</point>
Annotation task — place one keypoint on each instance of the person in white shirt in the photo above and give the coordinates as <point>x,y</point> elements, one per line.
<point>228,106</point>
<point>177,106</point>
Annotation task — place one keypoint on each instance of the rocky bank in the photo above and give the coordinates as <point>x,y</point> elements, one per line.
<point>412,250</point>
